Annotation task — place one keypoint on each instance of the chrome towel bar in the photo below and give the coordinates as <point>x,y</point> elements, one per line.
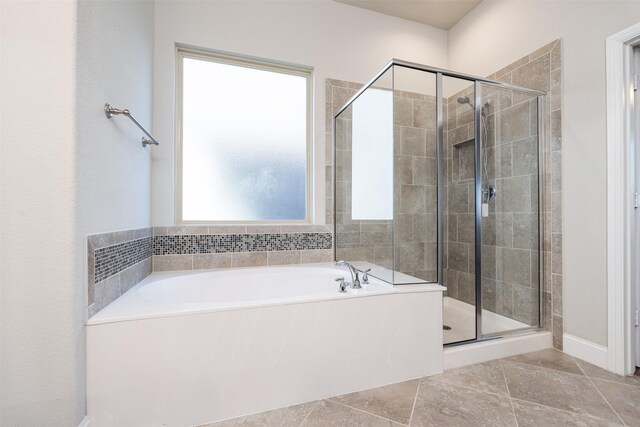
<point>109,111</point>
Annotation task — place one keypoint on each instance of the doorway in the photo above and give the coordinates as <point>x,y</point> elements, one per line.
<point>635,206</point>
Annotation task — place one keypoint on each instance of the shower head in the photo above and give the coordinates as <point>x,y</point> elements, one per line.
<point>466,100</point>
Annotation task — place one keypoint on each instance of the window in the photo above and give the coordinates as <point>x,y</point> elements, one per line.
<point>243,140</point>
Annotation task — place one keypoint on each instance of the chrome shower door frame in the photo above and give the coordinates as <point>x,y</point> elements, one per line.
<point>478,135</point>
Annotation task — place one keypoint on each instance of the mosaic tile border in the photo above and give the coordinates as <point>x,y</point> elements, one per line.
<point>115,263</point>
<point>222,243</point>
<point>113,259</point>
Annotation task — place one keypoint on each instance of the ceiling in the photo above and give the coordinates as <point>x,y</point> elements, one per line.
<point>437,13</point>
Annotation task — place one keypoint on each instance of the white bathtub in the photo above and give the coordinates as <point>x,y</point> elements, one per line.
<point>186,348</point>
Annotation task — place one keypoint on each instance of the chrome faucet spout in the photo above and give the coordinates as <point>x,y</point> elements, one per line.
<point>355,280</point>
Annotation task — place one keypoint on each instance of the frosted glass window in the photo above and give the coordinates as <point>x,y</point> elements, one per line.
<point>244,141</point>
<point>372,159</point>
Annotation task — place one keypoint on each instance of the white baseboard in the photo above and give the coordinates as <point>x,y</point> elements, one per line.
<point>585,350</point>
<point>85,422</point>
<point>468,354</point>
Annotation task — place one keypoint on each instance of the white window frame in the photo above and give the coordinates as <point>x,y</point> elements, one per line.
<point>183,52</point>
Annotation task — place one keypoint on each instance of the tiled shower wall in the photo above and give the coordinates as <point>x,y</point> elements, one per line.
<point>542,70</point>
<point>510,272</point>
<point>415,225</point>
<point>510,284</point>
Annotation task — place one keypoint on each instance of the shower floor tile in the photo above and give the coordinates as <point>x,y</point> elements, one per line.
<point>546,388</point>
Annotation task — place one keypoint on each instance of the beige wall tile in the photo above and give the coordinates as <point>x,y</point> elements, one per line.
<point>102,240</point>
<point>159,231</point>
<point>525,304</point>
<point>106,292</point>
<point>314,256</point>
<point>413,141</point>
<point>424,114</point>
<point>211,261</point>
<point>227,229</point>
<point>458,256</point>
<point>125,236</point>
<point>187,229</point>
<point>413,199</point>
<point>557,332</point>
<point>259,229</point>
<point>514,266</point>
<point>249,259</point>
<point>402,111</point>
<point>403,169</point>
<point>172,262</point>
<point>513,123</point>
<point>534,75</point>
<point>283,257</point>
<point>556,130</point>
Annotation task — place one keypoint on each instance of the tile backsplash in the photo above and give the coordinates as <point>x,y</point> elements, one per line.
<point>220,243</point>
<point>117,261</point>
<point>111,260</point>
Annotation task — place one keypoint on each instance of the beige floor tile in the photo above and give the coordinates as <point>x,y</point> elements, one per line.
<point>593,371</point>
<point>624,399</point>
<point>534,415</point>
<point>557,389</point>
<point>550,358</point>
<point>546,388</point>
<point>440,404</point>
<point>394,401</point>
<point>328,413</point>
<point>486,376</point>
<point>285,417</point>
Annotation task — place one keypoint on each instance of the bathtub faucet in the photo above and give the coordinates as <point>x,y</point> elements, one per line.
<point>355,281</point>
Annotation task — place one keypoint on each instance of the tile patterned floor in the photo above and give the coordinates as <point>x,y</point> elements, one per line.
<point>546,388</point>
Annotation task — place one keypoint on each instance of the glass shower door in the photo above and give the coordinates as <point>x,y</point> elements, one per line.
<point>510,192</point>
<point>459,211</point>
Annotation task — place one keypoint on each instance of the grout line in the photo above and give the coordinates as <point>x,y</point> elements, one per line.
<point>560,410</point>
<point>363,411</point>
<point>415,399</point>
<point>504,376</point>
<point>548,369</point>
<point>310,412</point>
<point>470,388</point>
<point>605,399</point>
<point>601,379</point>
<point>611,381</point>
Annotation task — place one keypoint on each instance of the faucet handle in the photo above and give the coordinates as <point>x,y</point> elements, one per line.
<point>365,276</point>
<point>342,285</point>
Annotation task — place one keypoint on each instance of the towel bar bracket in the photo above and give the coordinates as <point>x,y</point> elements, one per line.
<point>109,111</point>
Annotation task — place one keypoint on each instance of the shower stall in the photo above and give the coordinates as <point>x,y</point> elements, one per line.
<point>438,178</point>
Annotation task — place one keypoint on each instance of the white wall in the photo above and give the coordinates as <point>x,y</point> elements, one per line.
<point>498,32</point>
<point>115,65</point>
<point>42,363</point>
<point>66,171</point>
<point>340,41</point>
